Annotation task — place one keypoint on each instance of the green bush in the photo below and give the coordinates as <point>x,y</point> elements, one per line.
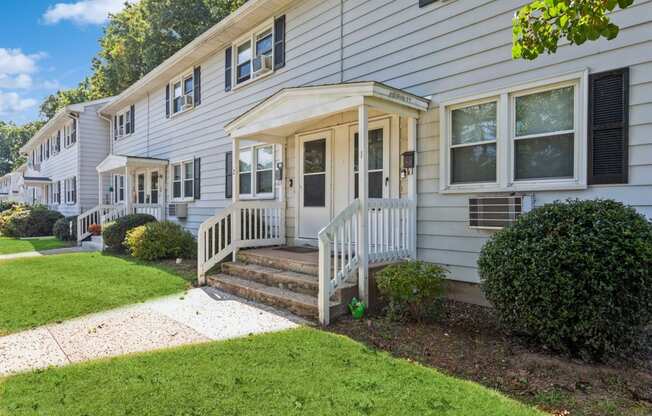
<point>115,232</point>
<point>7,205</point>
<point>61,229</point>
<point>575,276</point>
<point>411,288</point>
<point>26,221</point>
<point>160,240</point>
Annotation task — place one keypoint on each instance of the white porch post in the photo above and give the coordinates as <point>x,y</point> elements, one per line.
<point>235,197</point>
<point>363,195</point>
<point>100,189</point>
<point>128,195</point>
<point>412,186</point>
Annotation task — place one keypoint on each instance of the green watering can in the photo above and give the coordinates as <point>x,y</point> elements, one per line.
<point>357,308</point>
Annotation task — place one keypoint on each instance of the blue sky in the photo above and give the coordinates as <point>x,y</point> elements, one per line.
<point>46,45</point>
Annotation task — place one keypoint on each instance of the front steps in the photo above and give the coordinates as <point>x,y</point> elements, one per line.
<point>94,244</point>
<point>279,279</point>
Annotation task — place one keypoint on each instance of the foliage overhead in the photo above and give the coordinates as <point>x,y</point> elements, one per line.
<point>12,138</point>
<point>539,26</point>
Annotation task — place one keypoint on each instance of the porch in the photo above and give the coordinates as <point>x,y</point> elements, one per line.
<point>341,186</point>
<point>127,185</point>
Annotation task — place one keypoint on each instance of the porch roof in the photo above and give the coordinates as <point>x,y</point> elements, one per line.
<point>113,162</point>
<point>287,111</point>
<point>36,180</point>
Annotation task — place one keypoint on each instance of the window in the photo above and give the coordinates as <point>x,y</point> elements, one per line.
<point>254,54</point>
<point>127,118</point>
<point>243,62</point>
<point>118,188</point>
<point>153,187</point>
<point>70,186</point>
<point>257,171</point>
<point>124,122</point>
<point>183,93</point>
<point>70,134</point>
<point>183,180</point>
<point>140,185</point>
<point>375,164</point>
<point>519,139</point>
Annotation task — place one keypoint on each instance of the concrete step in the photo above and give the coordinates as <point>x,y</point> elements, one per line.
<point>282,279</point>
<point>278,262</point>
<point>95,244</point>
<point>297,303</point>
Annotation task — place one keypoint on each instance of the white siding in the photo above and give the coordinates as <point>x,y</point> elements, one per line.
<point>94,147</point>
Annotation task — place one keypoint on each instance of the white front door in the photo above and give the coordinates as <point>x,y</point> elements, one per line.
<point>315,184</point>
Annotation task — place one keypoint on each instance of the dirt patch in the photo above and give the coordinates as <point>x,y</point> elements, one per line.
<point>467,342</point>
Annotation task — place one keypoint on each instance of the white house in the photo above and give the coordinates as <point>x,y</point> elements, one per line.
<point>457,138</point>
<point>62,157</point>
<point>11,188</point>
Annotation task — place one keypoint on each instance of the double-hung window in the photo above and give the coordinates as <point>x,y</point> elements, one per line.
<point>243,62</point>
<point>118,189</point>
<point>254,54</point>
<point>183,180</point>
<point>70,185</point>
<point>519,139</point>
<point>257,171</point>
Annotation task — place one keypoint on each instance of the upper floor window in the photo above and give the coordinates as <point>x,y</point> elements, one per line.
<point>183,93</point>
<point>258,53</point>
<point>528,138</point>
<point>124,122</point>
<point>70,133</point>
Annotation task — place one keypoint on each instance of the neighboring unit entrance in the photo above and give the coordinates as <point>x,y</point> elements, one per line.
<point>315,187</point>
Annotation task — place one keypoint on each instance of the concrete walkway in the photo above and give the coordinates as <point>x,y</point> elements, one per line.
<point>52,252</point>
<point>199,315</point>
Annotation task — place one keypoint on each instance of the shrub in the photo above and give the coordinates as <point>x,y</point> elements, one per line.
<point>25,221</point>
<point>114,233</point>
<point>411,288</point>
<point>575,276</point>
<point>61,229</point>
<point>95,229</point>
<point>7,205</point>
<point>160,240</point>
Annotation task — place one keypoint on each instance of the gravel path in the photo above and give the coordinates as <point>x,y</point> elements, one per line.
<point>199,315</point>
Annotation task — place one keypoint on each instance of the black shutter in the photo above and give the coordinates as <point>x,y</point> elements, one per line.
<point>423,3</point>
<point>228,69</point>
<point>196,78</point>
<point>59,192</point>
<point>133,118</point>
<point>167,101</point>
<point>279,42</point>
<point>74,189</point>
<point>608,127</point>
<point>115,127</point>
<point>228,176</point>
<point>197,181</point>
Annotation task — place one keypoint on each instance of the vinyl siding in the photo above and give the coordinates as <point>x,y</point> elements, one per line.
<point>446,50</point>
<point>94,148</point>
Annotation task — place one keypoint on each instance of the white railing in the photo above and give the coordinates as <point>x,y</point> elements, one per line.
<point>88,218</point>
<point>112,213</point>
<point>155,211</point>
<point>241,225</point>
<point>389,239</point>
<point>338,255</point>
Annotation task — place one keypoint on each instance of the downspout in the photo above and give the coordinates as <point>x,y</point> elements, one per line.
<point>341,41</point>
<point>75,116</point>
<point>100,196</point>
<point>148,116</point>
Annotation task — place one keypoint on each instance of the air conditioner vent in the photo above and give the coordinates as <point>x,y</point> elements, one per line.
<point>496,212</point>
<point>178,210</point>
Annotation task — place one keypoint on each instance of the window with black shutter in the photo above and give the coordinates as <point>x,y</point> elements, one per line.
<point>608,127</point>
<point>279,42</point>
<point>197,182</point>
<point>197,87</point>
<point>228,175</point>
<point>167,101</point>
<point>133,118</point>
<point>228,60</point>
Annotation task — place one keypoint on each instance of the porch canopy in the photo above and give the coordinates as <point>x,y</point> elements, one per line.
<point>36,181</point>
<point>292,109</point>
<point>116,162</point>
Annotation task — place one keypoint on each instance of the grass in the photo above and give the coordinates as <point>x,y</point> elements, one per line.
<point>13,245</point>
<point>42,290</point>
<point>297,372</point>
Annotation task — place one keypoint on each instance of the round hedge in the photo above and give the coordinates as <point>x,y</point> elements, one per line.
<point>161,240</point>
<point>115,232</point>
<point>28,221</point>
<point>62,230</point>
<point>575,276</point>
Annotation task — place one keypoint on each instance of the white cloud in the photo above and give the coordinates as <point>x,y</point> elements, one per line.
<point>83,11</point>
<point>14,61</point>
<point>11,103</point>
<point>20,81</point>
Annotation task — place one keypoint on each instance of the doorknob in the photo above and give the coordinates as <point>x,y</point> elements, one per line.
<point>386,180</point>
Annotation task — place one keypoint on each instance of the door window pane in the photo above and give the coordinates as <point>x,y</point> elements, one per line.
<point>473,163</point>
<point>544,157</point>
<point>545,112</point>
<point>474,124</point>
<point>314,190</point>
<point>314,156</point>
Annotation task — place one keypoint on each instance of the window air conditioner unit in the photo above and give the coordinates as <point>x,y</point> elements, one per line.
<point>262,65</point>
<point>496,212</point>
<point>188,101</point>
<point>179,211</point>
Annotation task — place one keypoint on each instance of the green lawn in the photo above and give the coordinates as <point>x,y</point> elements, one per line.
<point>297,372</point>
<point>13,245</point>
<point>41,290</point>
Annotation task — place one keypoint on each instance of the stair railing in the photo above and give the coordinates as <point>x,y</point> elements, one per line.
<point>244,224</point>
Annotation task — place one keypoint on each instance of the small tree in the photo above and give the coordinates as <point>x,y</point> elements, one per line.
<point>540,25</point>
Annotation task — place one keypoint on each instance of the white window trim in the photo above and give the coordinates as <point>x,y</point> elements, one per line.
<point>66,134</point>
<point>68,190</point>
<point>505,150</point>
<point>254,161</point>
<point>181,163</point>
<point>122,113</point>
<point>251,36</point>
<point>185,75</point>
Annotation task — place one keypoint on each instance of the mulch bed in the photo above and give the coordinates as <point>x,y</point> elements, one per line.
<point>466,342</point>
